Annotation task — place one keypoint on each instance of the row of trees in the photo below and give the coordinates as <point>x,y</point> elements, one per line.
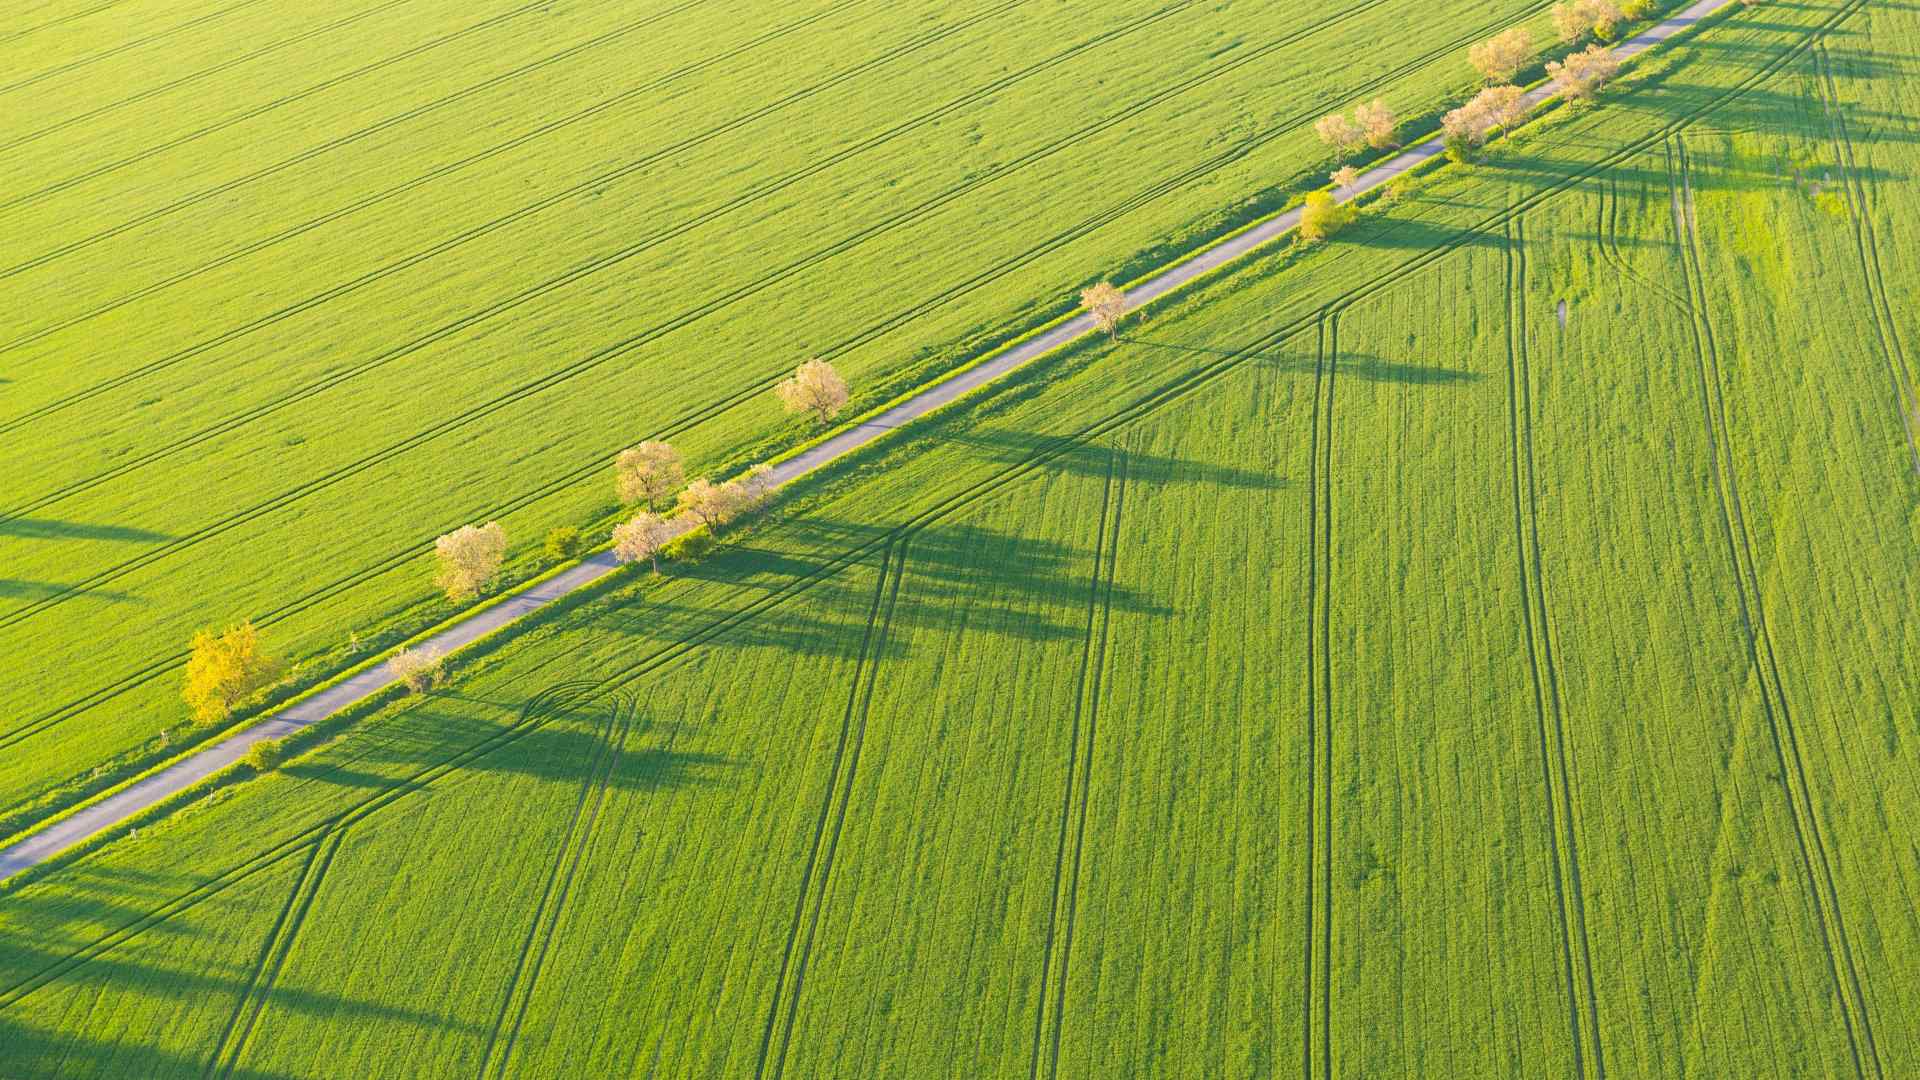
<point>225,669</point>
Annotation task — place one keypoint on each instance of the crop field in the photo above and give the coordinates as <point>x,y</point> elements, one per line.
<point>291,290</point>
<point>1480,646</point>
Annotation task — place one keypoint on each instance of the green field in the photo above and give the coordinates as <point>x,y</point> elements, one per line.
<point>1482,646</point>
<point>293,289</point>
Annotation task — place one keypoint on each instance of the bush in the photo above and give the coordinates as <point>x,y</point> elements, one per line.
<point>563,542</point>
<point>692,546</point>
<point>265,756</point>
<point>420,669</point>
<point>1322,215</point>
<point>1460,149</point>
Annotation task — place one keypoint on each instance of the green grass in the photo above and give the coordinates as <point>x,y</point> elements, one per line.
<point>1350,672</point>
<point>373,272</point>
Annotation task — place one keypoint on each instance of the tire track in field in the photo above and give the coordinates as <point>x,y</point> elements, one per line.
<point>602,262</point>
<point>600,357</point>
<point>273,957</point>
<point>818,876</point>
<point>553,199</point>
<point>115,50</point>
<point>1174,389</point>
<point>1189,382</point>
<point>1609,245</point>
<point>1867,249</point>
<point>157,149</point>
<point>8,39</point>
<point>1758,636</point>
<point>1074,799</point>
<point>1317,1026</point>
<point>505,1033</point>
<point>191,77</point>
<point>1583,1012</point>
<point>535,714</point>
<point>677,322</point>
<point>1410,266</point>
<point>649,86</point>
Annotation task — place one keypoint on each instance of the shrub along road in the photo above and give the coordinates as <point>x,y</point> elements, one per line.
<point>203,763</point>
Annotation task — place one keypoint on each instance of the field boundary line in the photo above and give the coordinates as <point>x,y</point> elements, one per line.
<point>1849,997</point>
<point>581,828</point>
<point>1555,765</point>
<point>106,813</point>
<point>280,942</point>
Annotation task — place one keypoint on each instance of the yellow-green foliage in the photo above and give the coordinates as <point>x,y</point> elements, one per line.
<point>1350,672</point>
<point>225,669</point>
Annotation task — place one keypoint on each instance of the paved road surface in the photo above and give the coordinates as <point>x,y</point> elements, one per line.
<point>204,763</point>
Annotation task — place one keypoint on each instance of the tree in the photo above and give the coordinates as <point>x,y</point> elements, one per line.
<point>1107,304</point>
<point>224,670</point>
<point>647,473</point>
<point>1340,133</point>
<point>1575,18</point>
<point>420,669</point>
<point>563,542</point>
<point>1505,106</point>
<point>642,537</point>
<point>712,505</point>
<point>1500,58</point>
<point>1582,74</point>
<point>756,486</point>
<point>1322,216</point>
<point>816,388</point>
<point>470,559</point>
<point>1345,176</point>
<point>1377,123</point>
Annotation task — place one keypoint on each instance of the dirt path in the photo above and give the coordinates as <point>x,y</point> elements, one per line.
<point>205,762</point>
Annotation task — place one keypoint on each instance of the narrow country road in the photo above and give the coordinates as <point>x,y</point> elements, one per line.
<point>203,763</point>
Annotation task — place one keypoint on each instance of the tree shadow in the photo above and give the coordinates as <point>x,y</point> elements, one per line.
<point>1350,364</point>
<point>18,589</point>
<point>52,529</point>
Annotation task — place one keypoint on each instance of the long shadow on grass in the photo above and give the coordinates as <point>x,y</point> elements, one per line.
<point>54,529</point>
<point>19,589</point>
<point>993,582</point>
<point>569,746</point>
<point>28,1051</point>
<point>1352,365</point>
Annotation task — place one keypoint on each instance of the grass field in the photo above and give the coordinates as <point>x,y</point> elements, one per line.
<point>1479,647</point>
<point>292,290</point>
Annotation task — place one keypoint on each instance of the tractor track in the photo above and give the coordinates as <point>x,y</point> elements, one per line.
<point>1867,247</point>
<point>30,197</point>
<point>273,957</point>
<point>818,876</point>
<point>191,77</point>
<point>1073,812</point>
<point>439,172</point>
<point>94,58</point>
<point>1758,635</point>
<point>553,899</point>
<point>537,711</point>
<point>1555,763</point>
<point>599,358</point>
